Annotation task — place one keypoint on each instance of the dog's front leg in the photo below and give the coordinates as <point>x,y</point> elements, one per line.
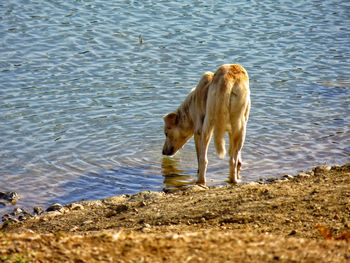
<point>203,159</point>
<point>198,142</point>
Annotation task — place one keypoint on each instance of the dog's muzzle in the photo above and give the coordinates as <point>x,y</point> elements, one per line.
<point>168,153</point>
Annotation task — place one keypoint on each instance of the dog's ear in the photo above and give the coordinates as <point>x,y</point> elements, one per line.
<point>171,119</point>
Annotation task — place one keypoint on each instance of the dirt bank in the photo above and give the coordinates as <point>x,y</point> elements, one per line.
<point>305,218</point>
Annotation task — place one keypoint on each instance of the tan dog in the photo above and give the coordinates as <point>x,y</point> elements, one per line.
<point>220,103</point>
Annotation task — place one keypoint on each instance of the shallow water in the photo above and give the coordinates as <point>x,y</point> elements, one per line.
<point>82,100</point>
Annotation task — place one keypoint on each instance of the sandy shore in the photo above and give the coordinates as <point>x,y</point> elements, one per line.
<point>305,218</point>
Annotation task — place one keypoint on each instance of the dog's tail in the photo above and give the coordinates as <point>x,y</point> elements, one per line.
<point>222,105</point>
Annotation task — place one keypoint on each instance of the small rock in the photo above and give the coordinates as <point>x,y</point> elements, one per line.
<point>5,217</point>
<point>115,200</point>
<point>24,216</point>
<point>287,176</point>
<point>314,191</point>
<point>73,229</point>
<point>54,207</point>
<point>321,169</point>
<point>75,206</point>
<point>10,219</point>
<point>17,211</point>
<point>336,167</point>
<point>52,214</point>
<point>142,204</point>
<point>121,208</point>
<point>303,175</point>
<point>94,203</point>
<point>311,173</point>
<point>110,214</point>
<point>146,228</point>
<point>38,210</point>
<point>271,180</point>
<point>209,215</point>
<point>288,221</point>
<point>11,197</point>
<point>146,195</point>
<point>292,233</point>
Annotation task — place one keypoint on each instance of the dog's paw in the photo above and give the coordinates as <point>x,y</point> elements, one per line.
<point>234,181</point>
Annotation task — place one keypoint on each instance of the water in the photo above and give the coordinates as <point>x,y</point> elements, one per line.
<point>82,100</point>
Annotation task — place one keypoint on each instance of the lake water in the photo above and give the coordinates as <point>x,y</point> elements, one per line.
<point>82,99</point>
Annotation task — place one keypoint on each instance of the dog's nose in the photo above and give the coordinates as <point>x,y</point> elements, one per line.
<point>168,152</point>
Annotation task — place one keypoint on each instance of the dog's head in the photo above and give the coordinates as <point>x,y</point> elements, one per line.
<point>176,135</point>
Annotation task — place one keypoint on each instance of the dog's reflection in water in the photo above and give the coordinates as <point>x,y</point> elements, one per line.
<point>174,178</point>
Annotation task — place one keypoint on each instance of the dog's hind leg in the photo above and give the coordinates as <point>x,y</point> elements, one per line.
<point>236,143</point>
<point>239,164</point>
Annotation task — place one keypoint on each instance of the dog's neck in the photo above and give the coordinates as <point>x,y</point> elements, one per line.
<point>185,119</point>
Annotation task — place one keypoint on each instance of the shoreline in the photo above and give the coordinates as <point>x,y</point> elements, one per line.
<point>10,199</point>
<point>302,218</point>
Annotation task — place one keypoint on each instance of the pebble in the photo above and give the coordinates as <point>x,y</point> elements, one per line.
<point>288,221</point>
<point>272,180</point>
<point>321,169</point>
<point>24,216</point>
<point>121,208</point>
<point>287,176</point>
<point>303,175</point>
<point>94,203</point>
<point>75,206</point>
<point>311,173</point>
<point>51,214</point>
<point>10,219</point>
<point>115,199</point>
<point>17,211</point>
<point>146,195</point>
<point>292,233</point>
<point>11,197</point>
<point>54,207</point>
<point>38,210</point>
<point>142,204</point>
<point>336,167</point>
<point>146,228</point>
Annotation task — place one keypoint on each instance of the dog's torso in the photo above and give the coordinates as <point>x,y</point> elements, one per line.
<point>231,84</point>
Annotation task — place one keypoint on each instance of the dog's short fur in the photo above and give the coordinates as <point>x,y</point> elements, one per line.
<point>220,103</point>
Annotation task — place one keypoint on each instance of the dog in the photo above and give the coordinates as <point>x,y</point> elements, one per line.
<point>220,103</point>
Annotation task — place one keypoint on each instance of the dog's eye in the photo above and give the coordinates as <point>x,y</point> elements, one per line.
<point>166,134</point>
